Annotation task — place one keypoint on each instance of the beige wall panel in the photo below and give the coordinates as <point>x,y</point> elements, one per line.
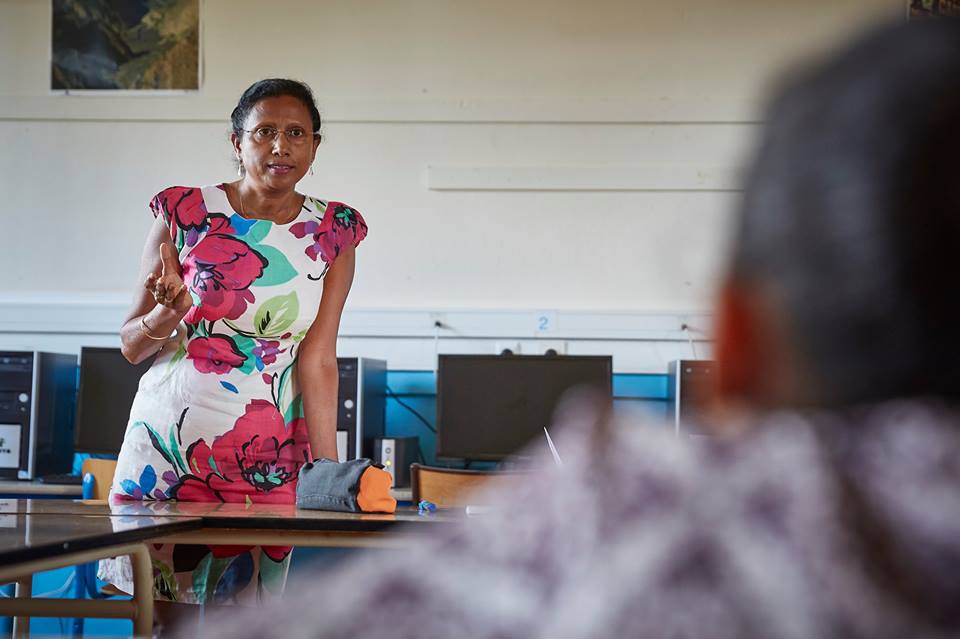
<point>545,86</point>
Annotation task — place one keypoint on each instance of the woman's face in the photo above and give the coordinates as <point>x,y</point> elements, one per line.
<point>278,144</point>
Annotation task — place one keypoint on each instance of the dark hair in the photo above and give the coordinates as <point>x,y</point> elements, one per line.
<point>271,88</point>
<point>851,216</point>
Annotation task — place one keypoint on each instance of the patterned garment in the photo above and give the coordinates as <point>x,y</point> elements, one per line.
<point>814,525</point>
<point>219,416</point>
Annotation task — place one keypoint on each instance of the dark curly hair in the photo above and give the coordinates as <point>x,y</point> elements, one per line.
<point>272,88</point>
<point>851,215</point>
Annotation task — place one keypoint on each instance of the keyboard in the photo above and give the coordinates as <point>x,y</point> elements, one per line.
<point>61,478</point>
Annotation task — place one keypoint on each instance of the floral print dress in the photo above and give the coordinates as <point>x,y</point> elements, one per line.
<point>218,416</point>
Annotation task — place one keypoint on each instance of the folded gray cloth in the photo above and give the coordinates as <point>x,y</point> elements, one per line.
<point>328,485</point>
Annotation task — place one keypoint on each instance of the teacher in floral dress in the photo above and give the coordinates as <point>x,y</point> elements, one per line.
<point>244,284</point>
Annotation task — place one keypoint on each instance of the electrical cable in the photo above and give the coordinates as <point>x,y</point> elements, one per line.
<point>429,426</point>
<point>693,348</point>
<point>56,592</point>
<point>437,325</point>
<point>397,399</point>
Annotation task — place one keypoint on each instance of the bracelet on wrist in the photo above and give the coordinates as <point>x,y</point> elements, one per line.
<point>146,332</point>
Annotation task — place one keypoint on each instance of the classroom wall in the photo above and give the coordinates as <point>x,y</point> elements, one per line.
<point>536,174</point>
<point>514,160</point>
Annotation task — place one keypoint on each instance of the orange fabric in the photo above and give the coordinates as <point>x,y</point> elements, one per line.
<point>374,496</point>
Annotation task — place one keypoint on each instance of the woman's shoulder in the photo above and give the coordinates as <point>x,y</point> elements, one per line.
<point>333,225</point>
<point>183,205</point>
<point>174,195</point>
<point>320,205</point>
<point>335,215</point>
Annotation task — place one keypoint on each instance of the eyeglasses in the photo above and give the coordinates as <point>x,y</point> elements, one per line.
<point>269,135</point>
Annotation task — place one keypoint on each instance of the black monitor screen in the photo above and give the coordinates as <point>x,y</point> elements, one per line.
<point>108,383</point>
<point>490,407</point>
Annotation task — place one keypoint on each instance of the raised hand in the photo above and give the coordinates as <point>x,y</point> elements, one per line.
<point>168,288</point>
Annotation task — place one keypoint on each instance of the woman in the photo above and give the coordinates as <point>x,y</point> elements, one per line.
<point>244,285</point>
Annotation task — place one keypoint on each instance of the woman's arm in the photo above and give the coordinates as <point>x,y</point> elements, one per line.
<point>317,358</point>
<point>161,276</point>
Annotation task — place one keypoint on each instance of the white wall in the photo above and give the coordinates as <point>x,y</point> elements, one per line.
<point>543,154</point>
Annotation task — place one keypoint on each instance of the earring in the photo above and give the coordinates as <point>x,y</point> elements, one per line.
<point>311,168</point>
<point>240,170</point>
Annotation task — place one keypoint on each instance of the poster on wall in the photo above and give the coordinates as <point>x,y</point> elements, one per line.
<point>934,8</point>
<point>125,45</point>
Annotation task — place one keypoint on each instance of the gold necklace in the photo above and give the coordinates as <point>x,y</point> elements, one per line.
<point>243,211</point>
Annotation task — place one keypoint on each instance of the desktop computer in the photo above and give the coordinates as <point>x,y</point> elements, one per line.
<point>361,405</point>
<point>396,454</point>
<point>495,407</point>
<point>691,385</point>
<point>107,385</point>
<point>37,392</point>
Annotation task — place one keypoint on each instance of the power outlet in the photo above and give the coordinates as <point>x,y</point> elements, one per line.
<point>557,345</point>
<point>500,346</point>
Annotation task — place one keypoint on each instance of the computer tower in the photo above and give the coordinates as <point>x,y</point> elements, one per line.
<point>691,387</point>
<point>361,406</point>
<point>37,398</point>
<point>396,454</point>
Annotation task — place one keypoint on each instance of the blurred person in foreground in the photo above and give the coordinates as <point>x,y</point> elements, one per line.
<point>829,506</point>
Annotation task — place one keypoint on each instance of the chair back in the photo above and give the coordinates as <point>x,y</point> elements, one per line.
<point>102,471</point>
<point>453,487</point>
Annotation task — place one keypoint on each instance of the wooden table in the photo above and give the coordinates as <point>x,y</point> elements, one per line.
<point>38,535</point>
<point>14,489</point>
<point>286,525</point>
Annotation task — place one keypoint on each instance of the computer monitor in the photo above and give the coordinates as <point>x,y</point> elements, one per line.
<point>108,383</point>
<point>490,407</point>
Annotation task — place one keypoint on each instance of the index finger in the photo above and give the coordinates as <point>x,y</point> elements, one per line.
<point>168,258</point>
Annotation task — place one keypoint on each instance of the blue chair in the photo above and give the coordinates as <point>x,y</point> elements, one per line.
<point>97,477</point>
